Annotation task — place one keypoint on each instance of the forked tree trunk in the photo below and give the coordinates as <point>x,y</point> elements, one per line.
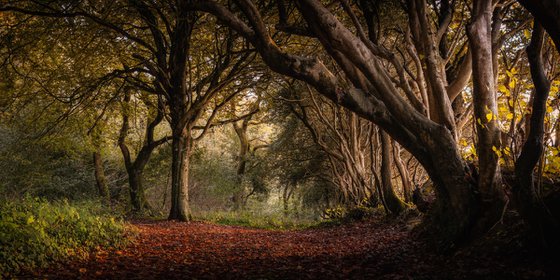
<point>136,180</point>
<point>182,145</point>
<point>135,167</point>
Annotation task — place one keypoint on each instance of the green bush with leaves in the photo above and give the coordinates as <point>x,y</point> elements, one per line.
<point>35,232</point>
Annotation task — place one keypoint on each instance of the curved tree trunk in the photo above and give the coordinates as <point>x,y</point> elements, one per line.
<point>391,201</point>
<point>403,172</point>
<point>135,167</point>
<point>455,210</point>
<point>544,226</point>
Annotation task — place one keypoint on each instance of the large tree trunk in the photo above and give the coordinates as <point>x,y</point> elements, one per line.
<point>136,179</point>
<point>136,188</point>
<point>486,112</point>
<point>182,145</point>
<point>544,226</point>
<point>390,199</point>
<point>453,214</point>
<point>100,179</point>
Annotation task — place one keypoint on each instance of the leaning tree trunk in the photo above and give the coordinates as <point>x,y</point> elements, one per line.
<point>544,226</point>
<point>403,172</point>
<point>390,199</point>
<point>181,146</point>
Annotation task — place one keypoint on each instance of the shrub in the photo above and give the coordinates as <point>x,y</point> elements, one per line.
<point>35,232</point>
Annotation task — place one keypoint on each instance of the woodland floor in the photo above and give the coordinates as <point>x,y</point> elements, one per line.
<point>374,249</point>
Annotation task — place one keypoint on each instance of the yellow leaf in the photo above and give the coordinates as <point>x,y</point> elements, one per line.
<point>549,109</point>
<point>509,116</point>
<point>503,89</point>
<point>497,151</point>
<point>527,34</point>
<point>489,116</point>
<point>511,83</point>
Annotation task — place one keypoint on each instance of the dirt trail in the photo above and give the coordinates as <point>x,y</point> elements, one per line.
<point>364,250</point>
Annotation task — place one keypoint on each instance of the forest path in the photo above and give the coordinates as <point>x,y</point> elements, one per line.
<point>197,250</point>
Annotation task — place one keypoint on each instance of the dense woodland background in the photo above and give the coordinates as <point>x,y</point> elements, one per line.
<point>284,112</point>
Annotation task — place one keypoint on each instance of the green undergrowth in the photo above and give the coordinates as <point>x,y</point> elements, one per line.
<point>35,233</point>
<point>255,220</point>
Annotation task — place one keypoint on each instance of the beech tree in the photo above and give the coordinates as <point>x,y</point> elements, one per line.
<point>384,95</point>
<point>414,68</point>
<point>187,76</point>
<point>135,165</point>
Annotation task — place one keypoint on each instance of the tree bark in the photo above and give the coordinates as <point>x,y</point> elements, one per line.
<point>100,179</point>
<point>403,172</point>
<point>392,202</point>
<point>181,146</point>
<point>241,131</point>
<point>544,226</point>
<point>135,167</point>
<point>486,112</point>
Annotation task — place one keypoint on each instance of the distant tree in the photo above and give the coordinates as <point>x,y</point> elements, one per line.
<point>135,165</point>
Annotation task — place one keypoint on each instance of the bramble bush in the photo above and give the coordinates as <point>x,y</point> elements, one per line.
<point>35,232</point>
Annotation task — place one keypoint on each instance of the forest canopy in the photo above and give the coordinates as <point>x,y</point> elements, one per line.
<point>305,108</point>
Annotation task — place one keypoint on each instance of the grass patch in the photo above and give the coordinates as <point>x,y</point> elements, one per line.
<point>35,233</point>
<point>254,220</point>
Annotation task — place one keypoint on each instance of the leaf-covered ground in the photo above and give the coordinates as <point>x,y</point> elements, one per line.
<point>361,250</point>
